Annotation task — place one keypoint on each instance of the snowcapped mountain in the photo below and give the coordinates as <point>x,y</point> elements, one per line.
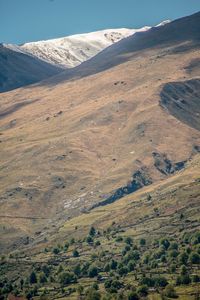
<point>71,51</point>
<point>29,63</point>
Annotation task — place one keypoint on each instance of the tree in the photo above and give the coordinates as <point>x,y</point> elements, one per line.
<point>142,290</point>
<point>92,231</point>
<point>149,197</point>
<point>195,278</point>
<point>95,286</point>
<point>72,241</point>
<point>183,258</point>
<point>123,271</point>
<point>107,268</point>
<point>113,264</point>
<point>93,295</point>
<point>147,281</point>
<point>194,258</point>
<point>46,270</point>
<point>173,268</point>
<point>173,253</point>
<point>119,239</point>
<point>128,240</point>
<point>33,278</point>
<point>196,238</point>
<point>93,271</point>
<point>56,250</point>
<point>42,278</point>
<point>133,296</point>
<point>66,278</point>
<point>135,255</point>
<point>160,281</point>
<point>89,239</point>
<point>98,243</point>
<point>60,269</point>
<point>165,243</point>
<point>80,289</point>
<point>75,253</point>
<point>173,246</point>
<point>184,270</point>
<point>131,265</point>
<point>21,283</point>
<point>170,292</point>
<point>77,270</point>
<point>142,242</point>
<point>183,279</point>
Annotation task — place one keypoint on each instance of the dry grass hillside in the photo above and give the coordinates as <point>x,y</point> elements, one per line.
<point>74,145</point>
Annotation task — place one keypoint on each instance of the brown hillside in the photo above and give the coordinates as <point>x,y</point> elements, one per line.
<point>68,147</point>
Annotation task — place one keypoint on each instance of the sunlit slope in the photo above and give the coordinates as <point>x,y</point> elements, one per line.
<point>169,207</point>
<point>68,146</point>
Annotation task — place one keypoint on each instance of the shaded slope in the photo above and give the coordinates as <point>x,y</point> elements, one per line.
<point>18,69</point>
<point>182,100</point>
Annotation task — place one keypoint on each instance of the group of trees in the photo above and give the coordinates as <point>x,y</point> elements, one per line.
<point>142,259</point>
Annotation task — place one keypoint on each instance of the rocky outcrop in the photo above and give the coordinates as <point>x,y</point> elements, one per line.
<point>164,165</point>
<point>140,179</point>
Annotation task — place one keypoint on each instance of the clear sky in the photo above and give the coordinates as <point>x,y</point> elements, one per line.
<point>31,20</point>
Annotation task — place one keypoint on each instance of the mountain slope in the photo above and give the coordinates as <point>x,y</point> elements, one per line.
<point>183,33</point>
<point>18,69</point>
<point>33,62</point>
<point>72,50</point>
<point>73,145</point>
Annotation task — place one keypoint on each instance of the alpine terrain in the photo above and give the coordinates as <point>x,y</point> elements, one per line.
<point>100,165</point>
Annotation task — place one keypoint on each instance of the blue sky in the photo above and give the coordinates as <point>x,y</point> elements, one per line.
<point>31,20</point>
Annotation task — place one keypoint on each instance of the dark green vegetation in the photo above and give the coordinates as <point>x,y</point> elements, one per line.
<point>107,265</point>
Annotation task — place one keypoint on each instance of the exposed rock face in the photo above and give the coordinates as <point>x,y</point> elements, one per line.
<point>140,179</point>
<point>165,165</point>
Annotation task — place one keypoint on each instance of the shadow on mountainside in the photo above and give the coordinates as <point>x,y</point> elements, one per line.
<point>182,100</point>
